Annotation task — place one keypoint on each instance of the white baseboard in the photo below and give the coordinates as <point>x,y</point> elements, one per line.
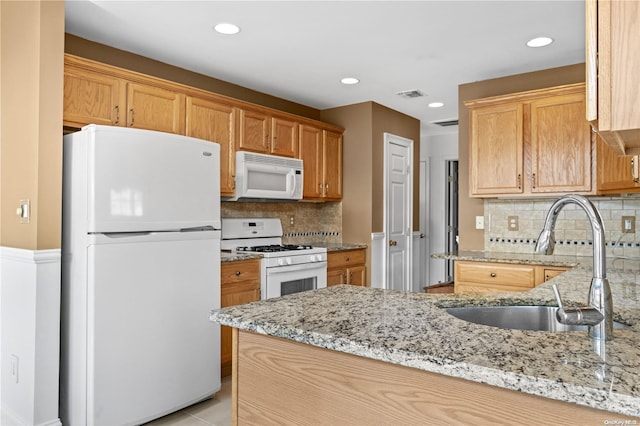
<point>30,333</point>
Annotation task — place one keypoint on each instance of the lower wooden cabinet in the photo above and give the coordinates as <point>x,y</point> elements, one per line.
<point>346,267</point>
<point>239,284</point>
<point>482,277</point>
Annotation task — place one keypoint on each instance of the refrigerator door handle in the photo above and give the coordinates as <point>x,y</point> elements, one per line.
<point>123,234</point>
<point>198,229</point>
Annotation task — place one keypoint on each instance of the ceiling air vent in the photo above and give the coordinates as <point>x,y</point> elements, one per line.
<point>410,94</point>
<point>446,123</point>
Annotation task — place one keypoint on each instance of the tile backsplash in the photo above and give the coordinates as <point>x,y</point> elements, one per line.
<point>301,222</point>
<point>572,232</point>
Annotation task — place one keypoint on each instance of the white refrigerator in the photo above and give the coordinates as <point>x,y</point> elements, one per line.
<point>140,274</point>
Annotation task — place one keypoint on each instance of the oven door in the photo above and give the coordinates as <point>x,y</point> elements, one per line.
<point>282,280</point>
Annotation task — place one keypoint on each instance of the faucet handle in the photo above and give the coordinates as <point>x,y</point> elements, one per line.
<point>576,316</point>
<point>558,298</point>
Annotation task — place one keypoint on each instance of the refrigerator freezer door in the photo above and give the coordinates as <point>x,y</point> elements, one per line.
<point>141,180</point>
<point>151,347</point>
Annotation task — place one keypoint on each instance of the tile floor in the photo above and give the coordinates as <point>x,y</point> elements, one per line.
<point>213,412</point>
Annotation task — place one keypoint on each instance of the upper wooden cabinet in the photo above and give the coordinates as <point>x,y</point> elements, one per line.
<point>613,80</point>
<point>496,149</point>
<point>284,137</point>
<point>104,94</point>
<point>560,145</point>
<point>95,96</point>
<point>155,108</point>
<point>215,121</point>
<point>254,131</point>
<point>92,97</point>
<point>616,174</point>
<point>321,152</point>
<point>530,143</point>
<point>267,134</point>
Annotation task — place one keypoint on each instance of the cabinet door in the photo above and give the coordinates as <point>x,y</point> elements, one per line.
<point>357,275</point>
<point>254,131</point>
<point>560,145</point>
<point>215,122</point>
<point>284,137</point>
<point>550,273</point>
<point>154,108</point>
<point>310,152</point>
<point>240,283</point>
<point>616,173</point>
<point>496,149</point>
<point>332,165</point>
<point>612,59</point>
<point>336,276</point>
<point>91,97</point>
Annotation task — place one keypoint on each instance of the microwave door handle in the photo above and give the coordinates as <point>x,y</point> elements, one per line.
<point>291,182</point>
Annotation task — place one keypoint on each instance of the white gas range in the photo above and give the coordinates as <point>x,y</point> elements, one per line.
<point>285,268</point>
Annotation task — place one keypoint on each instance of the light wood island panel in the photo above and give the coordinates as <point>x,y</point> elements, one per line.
<point>278,381</point>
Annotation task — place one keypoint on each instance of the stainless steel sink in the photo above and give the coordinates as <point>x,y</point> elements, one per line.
<point>541,318</point>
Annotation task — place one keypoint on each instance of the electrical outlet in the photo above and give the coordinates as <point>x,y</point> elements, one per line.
<point>512,223</point>
<point>479,222</point>
<point>628,224</point>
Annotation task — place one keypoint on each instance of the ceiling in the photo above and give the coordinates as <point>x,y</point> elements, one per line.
<point>299,50</point>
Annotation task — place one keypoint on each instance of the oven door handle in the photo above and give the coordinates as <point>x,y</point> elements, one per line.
<point>284,269</point>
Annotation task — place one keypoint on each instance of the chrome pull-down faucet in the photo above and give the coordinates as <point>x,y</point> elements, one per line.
<point>600,298</point>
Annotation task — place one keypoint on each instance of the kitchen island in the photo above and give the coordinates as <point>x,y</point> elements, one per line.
<point>352,355</point>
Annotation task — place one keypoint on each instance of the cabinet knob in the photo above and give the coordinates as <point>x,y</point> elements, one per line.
<point>347,259</point>
<point>238,273</point>
<point>492,275</point>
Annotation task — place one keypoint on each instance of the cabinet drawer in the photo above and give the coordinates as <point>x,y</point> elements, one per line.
<point>242,270</point>
<point>338,259</point>
<point>495,274</point>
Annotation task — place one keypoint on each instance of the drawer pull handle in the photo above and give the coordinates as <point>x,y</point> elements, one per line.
<point>493,275</point>
<point>347,259</point>
<point>238,273</point>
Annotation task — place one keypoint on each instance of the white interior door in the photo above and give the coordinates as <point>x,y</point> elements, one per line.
<point>398,211</point>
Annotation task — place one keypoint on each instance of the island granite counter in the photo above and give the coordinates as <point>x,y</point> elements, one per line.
<point>412,330</point>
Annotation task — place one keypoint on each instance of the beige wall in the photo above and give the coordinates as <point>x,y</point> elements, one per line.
<point>469,208</point>
<point>356,169</point>
<point>32,45</point>
<point>127,60</point>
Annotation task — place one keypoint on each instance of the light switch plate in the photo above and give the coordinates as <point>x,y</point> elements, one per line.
<point>513,223</point>
<point>479,222</point>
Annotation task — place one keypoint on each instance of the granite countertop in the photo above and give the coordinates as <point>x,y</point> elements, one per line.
<point>412,329</point>
<point>226,256</point>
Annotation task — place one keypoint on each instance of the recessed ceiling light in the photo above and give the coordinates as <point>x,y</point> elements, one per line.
<point>349,80</point>
<point>435,105</point>
<point>227,28</point>
<point>539,42</point>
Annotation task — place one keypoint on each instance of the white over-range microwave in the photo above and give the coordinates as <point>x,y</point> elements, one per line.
<point>267,177</point>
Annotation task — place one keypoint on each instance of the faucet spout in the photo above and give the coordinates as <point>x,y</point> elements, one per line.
<point>599,292</point>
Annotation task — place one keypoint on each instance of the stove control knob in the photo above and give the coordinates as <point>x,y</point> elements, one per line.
<point>289,262</point>
<point>280,262</point>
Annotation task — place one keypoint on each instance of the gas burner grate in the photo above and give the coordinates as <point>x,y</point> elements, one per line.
<point>273,248</point>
